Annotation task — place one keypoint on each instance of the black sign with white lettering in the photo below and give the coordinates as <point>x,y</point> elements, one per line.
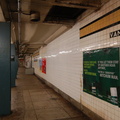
<point>115,34</point>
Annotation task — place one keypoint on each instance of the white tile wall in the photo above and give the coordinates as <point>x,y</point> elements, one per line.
<point>65,62</point>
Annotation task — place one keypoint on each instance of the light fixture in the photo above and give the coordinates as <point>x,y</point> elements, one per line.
<point>35,16</point>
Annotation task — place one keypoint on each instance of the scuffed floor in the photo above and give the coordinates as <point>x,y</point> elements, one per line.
<point>33,100</point>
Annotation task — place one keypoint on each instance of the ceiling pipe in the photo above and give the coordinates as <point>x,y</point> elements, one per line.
<point>13,35</point>
<point>19,21</point>
<point>35,16</point>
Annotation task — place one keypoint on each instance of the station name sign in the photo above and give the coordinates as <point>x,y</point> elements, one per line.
<point>114,34</point>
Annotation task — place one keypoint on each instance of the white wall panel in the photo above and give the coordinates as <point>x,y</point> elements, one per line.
<point>64,67</point>
<point>63,63</point>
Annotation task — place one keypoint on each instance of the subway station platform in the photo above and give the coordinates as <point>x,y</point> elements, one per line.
<point>33,100</point>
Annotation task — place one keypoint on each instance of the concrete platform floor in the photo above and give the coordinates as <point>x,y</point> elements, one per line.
<point>33,100</point>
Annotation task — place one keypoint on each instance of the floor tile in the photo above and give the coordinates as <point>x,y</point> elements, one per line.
<point>27,98</point>
<point>18,106</point>
<point>51,114</point>
<point>38,93</point>
<point>70,109</point>
<point>26,93</point>
<point>50,91</point>
<point>55,96</point>
<point>30,115</point>
<point>45,104</point>
<point>30,87</point>
<point>73,112</point>
<point>37,90</point>
<point>62,102</point>
<point>75,118</point>
<point>15,115</point>
<point>29,106</point>
<point>40,98</point>
<point>16,95</point>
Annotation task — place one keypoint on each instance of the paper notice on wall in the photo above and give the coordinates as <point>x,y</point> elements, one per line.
<point>113,91</point>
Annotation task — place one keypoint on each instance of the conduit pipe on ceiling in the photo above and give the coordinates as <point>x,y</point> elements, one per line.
<point>19,21</point>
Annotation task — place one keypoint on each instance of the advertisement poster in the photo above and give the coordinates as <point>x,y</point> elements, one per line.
<point>44,65</point>
<point>101,75</point>
<point>36,59</point>
<point>40,64</point>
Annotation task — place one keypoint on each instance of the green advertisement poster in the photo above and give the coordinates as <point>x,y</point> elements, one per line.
<point>101,76</point>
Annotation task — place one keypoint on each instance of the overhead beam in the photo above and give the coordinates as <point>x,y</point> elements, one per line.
<point>84,2</point>
<point>27,43</point>
<point>104,1</point>
<point>68,23</point>
<point>5,9</point>
<point>72,5</point>
<point>27,47</point>
<point>35,44</point>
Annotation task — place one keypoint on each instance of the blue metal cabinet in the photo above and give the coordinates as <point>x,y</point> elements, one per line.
<point>5,81</point>
<point>14,65</point>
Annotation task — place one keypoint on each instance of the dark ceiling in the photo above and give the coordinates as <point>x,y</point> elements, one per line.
<point>58,13</point>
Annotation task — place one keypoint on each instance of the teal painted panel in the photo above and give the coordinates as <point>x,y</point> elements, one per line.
<point>13,65</point>
<point>5,82</point>
<point>101,74</point>
<point>16,65</point>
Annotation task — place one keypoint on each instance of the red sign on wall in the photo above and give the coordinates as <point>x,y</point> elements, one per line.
<point>44,65</point>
